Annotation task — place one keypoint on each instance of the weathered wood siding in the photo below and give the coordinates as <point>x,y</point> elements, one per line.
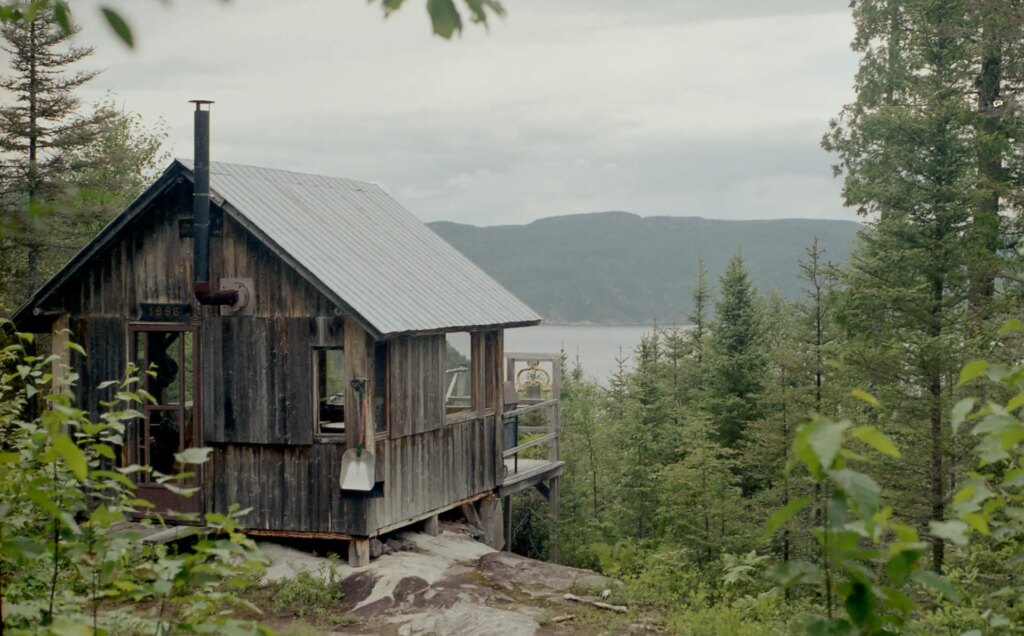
<point>434,469</point>
<point>257,379</point>
<point>151,263</point>
<point>426,463</point>
<point>105,340</point>
<point>416,394</point>
<point>288,488</point>
<point>295,488</point>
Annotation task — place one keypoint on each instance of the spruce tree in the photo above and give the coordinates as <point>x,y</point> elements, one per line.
<point>38,131</point>
<point>817,338</point>
<point>699,316</point>
<point>917,162</point>
<point>648,442</point>
<point>998,61</point>
<point>783,407</point>
<point>737,365</point>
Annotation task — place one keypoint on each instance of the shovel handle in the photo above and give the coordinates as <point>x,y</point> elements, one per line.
<point>359,386</point>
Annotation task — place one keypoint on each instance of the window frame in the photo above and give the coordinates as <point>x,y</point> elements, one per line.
<point>475,381</point>
<point>384,391</point>
<point>319,433</point>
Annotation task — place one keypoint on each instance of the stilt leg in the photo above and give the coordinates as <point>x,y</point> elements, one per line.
<point>359,552</point>
<point>555,489</point>
<point>507,505</point>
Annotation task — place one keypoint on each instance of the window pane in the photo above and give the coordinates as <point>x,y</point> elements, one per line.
<point>458,380</point>
<point>164,441</point>
<point>330,390</point>
<point>163,349</point>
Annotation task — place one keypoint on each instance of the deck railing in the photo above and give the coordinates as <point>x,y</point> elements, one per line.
<point>532,414</point>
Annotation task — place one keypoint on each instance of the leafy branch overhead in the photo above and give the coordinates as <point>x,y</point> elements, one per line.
<point>446,17</point>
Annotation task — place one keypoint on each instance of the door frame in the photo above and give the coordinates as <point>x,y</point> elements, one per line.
<point>163,499</point>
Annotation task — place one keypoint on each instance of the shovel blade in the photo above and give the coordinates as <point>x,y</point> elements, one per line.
<point>357,470</point>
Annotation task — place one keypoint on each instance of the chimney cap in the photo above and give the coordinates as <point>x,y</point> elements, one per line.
<point>200,102</point>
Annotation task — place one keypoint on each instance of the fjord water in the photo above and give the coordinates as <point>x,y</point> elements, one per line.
<point>596,345</point>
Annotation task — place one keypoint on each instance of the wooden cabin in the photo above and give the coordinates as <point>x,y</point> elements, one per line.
<point>329,281</point>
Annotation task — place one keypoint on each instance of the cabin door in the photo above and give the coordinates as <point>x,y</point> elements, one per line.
<point>171,424</point>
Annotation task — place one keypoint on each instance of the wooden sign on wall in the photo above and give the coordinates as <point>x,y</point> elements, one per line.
<point>165,312</point>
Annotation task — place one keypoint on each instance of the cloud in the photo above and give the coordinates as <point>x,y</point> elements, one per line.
<point>709,107</point>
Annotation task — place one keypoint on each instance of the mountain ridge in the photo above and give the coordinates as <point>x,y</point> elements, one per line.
<point>617,266</point>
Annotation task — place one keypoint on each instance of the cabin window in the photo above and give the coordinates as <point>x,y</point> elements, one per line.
<point>459,378</point>
<point>329,387</point>
<point>380,387</point>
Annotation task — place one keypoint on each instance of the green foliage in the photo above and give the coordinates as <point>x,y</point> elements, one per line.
<point>989,506</point>
<point>66,173</point>
<point>312,597</point>
<point>937,177</point>
<point>58,11</point>
<point>64,563</point>
<point>306,592</point>
<point>446,17</point>
<point>869,560</point>
<point>739,364</point>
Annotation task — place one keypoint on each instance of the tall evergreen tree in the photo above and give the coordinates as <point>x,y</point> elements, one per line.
<point>648,441</point>
<point>38,131</point>
<point>998,56</point>
<point>737,367</point>
<point>816,333</point>
<point>914,162</point>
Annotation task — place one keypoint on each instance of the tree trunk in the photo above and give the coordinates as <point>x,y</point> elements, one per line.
<point>985,222</point>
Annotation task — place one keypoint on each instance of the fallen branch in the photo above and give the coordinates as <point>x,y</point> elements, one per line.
<point>621,609</point>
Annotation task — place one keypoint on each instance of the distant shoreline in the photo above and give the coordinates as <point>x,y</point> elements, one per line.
<point>587,323</point>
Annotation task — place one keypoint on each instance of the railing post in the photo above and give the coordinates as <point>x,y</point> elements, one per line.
<point>554,423</point>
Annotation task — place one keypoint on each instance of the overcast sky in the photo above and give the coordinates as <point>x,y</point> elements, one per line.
<point>707,108</point>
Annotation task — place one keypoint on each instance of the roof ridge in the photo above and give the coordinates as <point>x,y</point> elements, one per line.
<point>188,162</point>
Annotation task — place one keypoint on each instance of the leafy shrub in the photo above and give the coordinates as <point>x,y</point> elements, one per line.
<point>869,560</point>
<point>63,568</point>
<point>306,594</point>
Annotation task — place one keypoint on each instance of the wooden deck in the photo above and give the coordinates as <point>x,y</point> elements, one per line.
<point>531,472</point>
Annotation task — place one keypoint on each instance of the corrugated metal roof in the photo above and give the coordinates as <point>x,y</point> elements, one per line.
<point>378,258</point>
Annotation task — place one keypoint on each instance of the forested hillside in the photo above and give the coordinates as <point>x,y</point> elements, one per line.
<point>620,267</point>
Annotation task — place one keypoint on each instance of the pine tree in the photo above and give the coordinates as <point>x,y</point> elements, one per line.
<point>998,54</point>
<point>699,316</point>
<point>814,313</point>
<point>783,406</point>
<point>702,504</point>
<point>737,364</point>
<point>648,442</point>
<point>37,133</point>
<point>585,449</point>
<point>914,162</point>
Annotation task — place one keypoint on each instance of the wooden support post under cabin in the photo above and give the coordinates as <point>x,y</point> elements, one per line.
<point>554,498</point>
<point>359,552</point>
<point>492,521</point>
<point>431,526</point>
<point>507,514</point>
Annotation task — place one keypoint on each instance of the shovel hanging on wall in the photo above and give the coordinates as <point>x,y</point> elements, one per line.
<point>358,465</point>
